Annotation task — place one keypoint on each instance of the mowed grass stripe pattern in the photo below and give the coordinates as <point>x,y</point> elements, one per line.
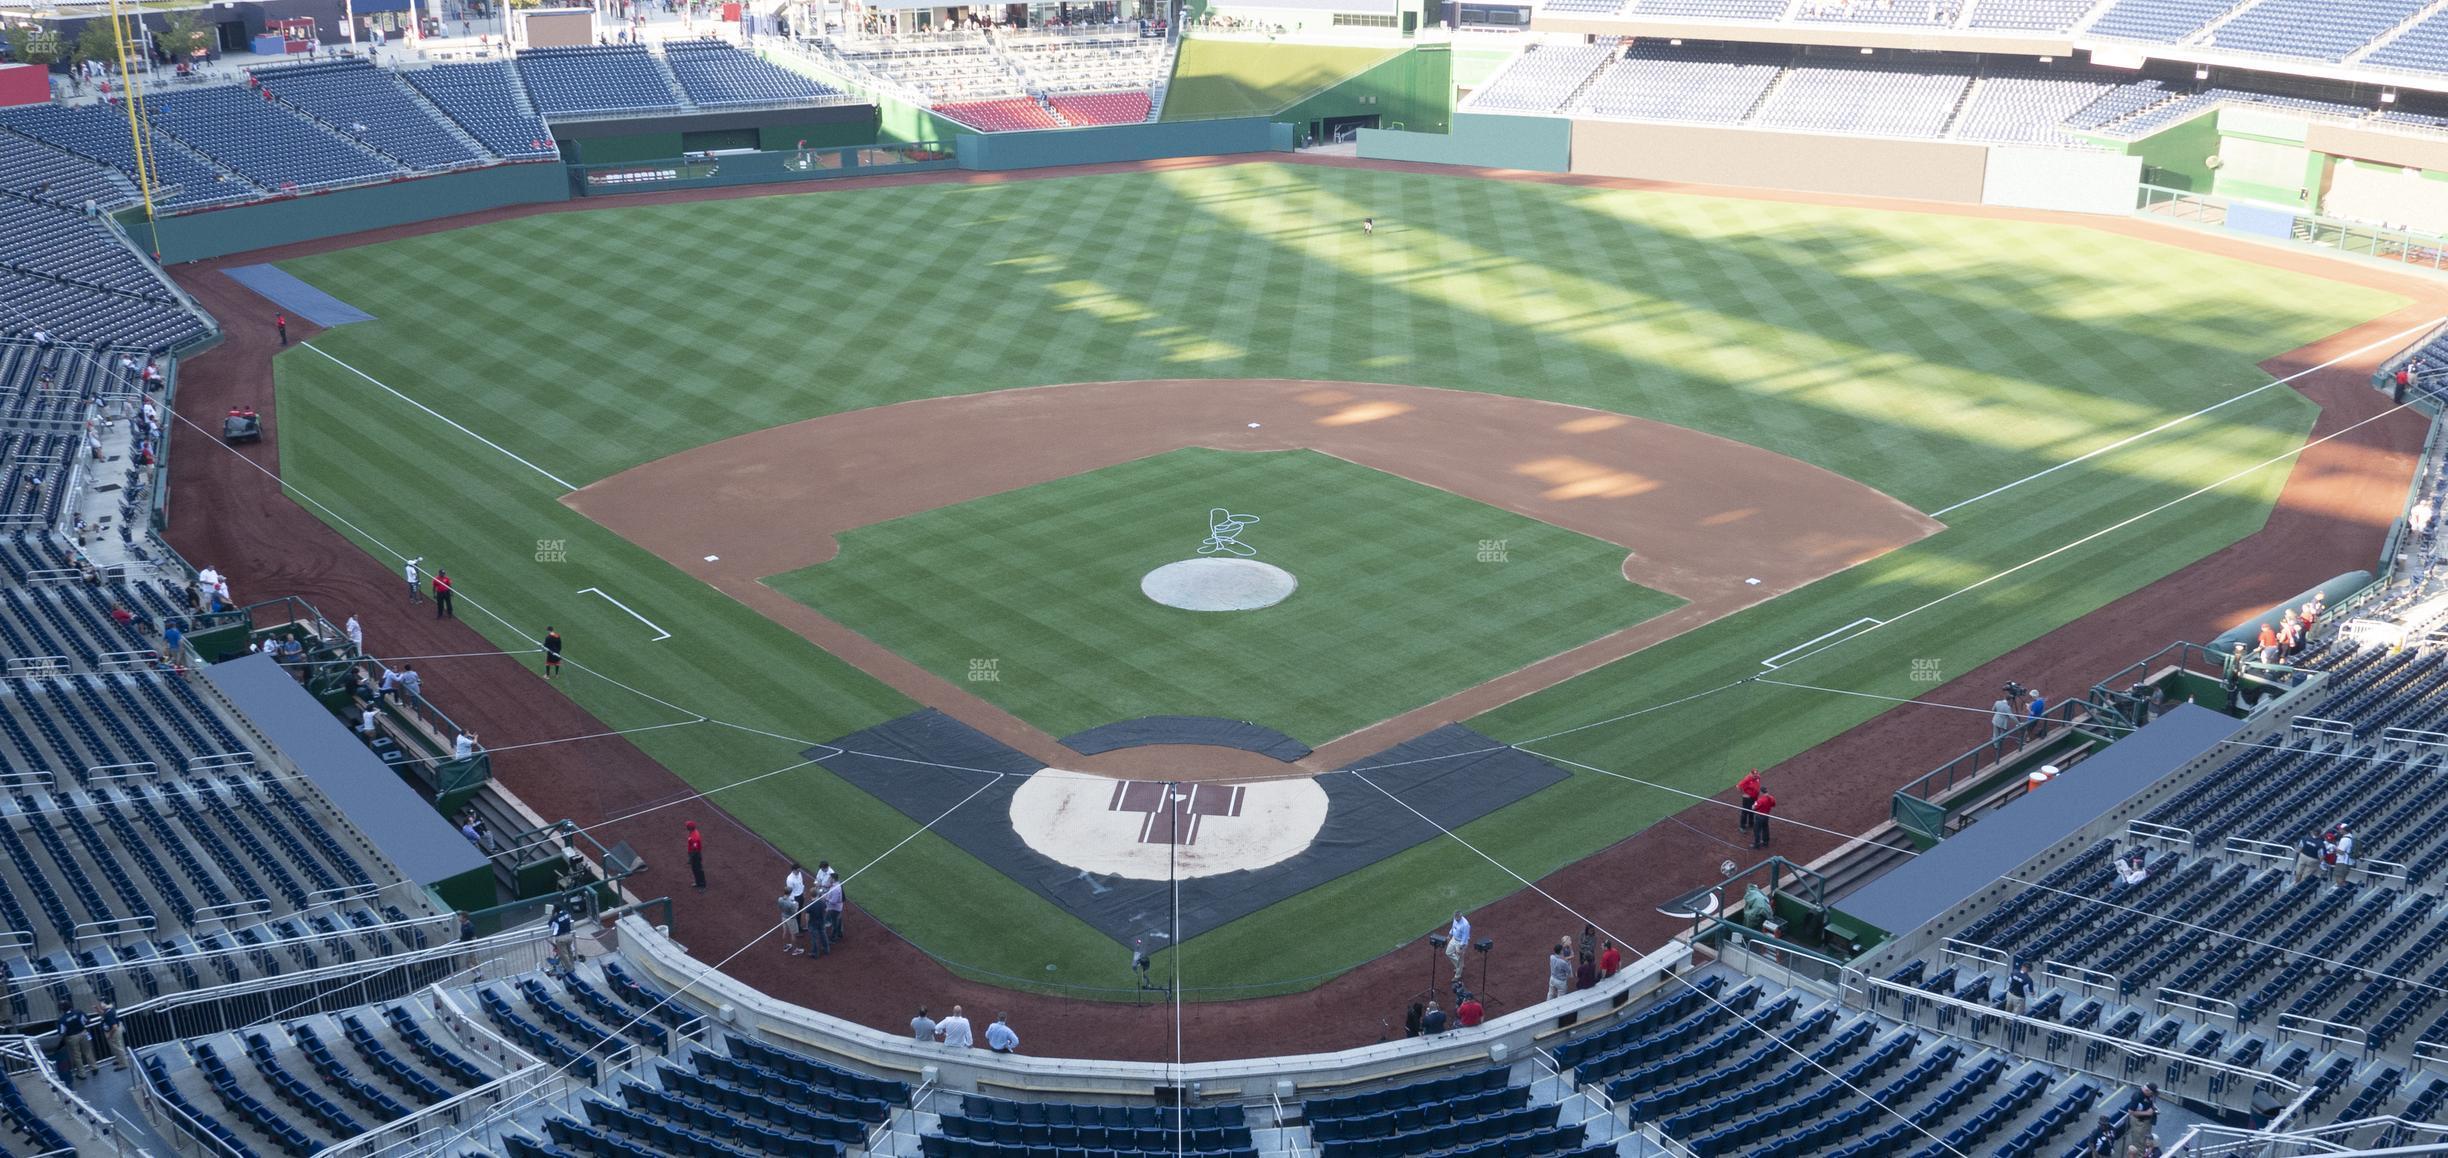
<point>1931,356</point>
<point>1407,594</point>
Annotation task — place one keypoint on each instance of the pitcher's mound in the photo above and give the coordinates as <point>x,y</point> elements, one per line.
<point>1219,584</point>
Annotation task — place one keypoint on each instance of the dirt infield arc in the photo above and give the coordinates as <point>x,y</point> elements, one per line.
<point>1720,524</point>
<point>2339,501</point>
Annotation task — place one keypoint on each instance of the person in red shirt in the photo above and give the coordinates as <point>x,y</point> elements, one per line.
<point>1609,960</point>
<point>442,595</point>
<point>696,847</point>
<point>1759,819</point>
<point>1750,789</point>
<point>1469,1013</point>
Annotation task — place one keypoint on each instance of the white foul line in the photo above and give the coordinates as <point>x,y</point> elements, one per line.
<point>664,635</point>
<point>2179,421</point>
<point>557,480</point>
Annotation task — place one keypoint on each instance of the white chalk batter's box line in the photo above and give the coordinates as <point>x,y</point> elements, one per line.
<point>1811,647</point>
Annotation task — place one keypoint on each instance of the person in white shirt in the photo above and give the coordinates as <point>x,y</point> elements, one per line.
<point>1457,938</point>
<point>794,894</point>
<point>465,747</point>
<point>954,1030</point>
<point>414,595</point>
<point>1000,1038</point>
<point>2345,851</point>
<point>367,725</point>
<point>356,636</point>
<point>825,876</point>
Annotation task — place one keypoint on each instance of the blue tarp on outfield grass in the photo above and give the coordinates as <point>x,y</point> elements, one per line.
<point>297,297</point>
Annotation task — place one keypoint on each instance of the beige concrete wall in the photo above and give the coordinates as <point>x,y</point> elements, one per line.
<point>2408,150</point>
<point>1855,166</point>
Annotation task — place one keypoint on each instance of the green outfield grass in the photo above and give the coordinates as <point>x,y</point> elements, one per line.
<point>1397,606</point>
<point>1931,356</point>
<point>1234,78</point>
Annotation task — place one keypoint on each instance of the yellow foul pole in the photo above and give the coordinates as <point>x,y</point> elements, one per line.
<point>139,142</point>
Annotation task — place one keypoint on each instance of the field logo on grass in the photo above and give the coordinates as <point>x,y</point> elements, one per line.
<point>985,671</point>
<point>552,551</point>
<point>1156,829</point>
<point>1224,533</point>
<point>1495,551</point>
<point>1925,671</point>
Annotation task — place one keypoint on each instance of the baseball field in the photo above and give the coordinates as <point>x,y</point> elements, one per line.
<point>784,468</point>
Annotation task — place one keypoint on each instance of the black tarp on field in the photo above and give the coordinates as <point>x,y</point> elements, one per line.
<point>939,771</point>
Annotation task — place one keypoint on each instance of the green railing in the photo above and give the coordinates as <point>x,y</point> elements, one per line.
<point>2352,239</point>
<point>1925,807</point>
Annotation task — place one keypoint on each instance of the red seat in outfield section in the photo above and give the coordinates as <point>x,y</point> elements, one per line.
<point>1104,108</point>
<point>1003,116</point>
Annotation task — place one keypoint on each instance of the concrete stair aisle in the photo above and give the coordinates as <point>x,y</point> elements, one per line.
<point>1963,100</point>
<point>671,80</point>
<point>435,111</point>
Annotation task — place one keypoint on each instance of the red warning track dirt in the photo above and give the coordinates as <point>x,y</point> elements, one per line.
<point>229,510</point>
<point>1718,523</point>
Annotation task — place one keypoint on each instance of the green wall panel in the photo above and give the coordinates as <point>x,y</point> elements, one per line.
<point>1537,144</point>
<point>196,236</point>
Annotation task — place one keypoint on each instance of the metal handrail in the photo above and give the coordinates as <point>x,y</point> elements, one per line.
<point>2296,1023</point>
<point>2145,830</point>
<point>2133,1048</point>
<point>2088,979</point>
<point>2168,997</point>
<point>127,771</point>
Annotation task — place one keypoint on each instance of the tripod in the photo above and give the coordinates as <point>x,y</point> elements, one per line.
<point>1486,949</point>
<point>1436,949</point>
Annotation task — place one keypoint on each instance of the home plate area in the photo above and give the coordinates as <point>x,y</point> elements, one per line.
<point>1110,851</point>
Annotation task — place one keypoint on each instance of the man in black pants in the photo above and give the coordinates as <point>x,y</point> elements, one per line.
<point>696,851</point>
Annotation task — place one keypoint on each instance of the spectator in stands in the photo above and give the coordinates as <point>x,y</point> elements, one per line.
<point>954,1030</point>
<point>173,638</point>
<point>1470,1012</point>
<point>442,595</point>
<point>2018,988</point>
<point>1457,938</point>
<point>1610,959</point>
<point>1559,971</point>
<point>1432,1022</point>
<point>464,747</point>
<point>1759,819</point>
<point>2344,865</point>
<point>999,1036</point>
<point>2269,644</point>
<point>2309,853</point>
<point>1750,790</point>
<point>922,1027</point>
<point>2289,641</point>
<point>565,941</point>
<point>107,1042</point>
<point>369,724</point>
<point>696,854</point>
<point>2131,870</point>
<point>2142,1116</point>
<point>122,616</point>
<point>76,1054</point>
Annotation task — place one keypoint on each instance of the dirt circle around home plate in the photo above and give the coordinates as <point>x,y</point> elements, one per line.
<point>1219,583</point>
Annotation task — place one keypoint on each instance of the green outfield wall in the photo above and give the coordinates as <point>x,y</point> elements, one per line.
<point>998,152</point>
<point>1411,90</point>
<point>1537,144</point>
<point>197,236</point>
